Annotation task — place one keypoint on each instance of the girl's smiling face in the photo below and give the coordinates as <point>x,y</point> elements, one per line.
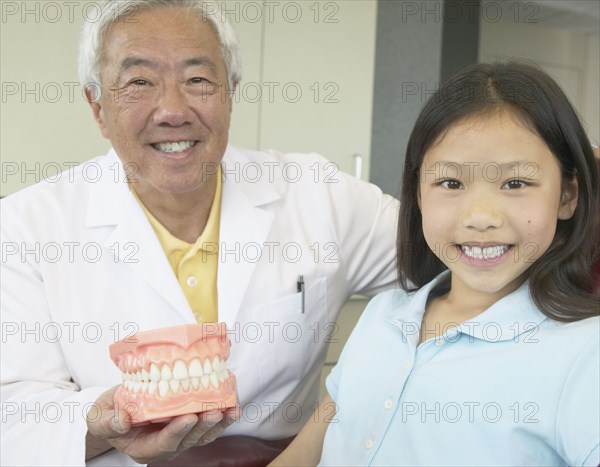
<point>490,195</point>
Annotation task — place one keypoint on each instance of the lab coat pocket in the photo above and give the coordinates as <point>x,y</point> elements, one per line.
<point>293,339</point>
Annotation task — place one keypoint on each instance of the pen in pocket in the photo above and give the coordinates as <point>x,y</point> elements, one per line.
<point>300,288</point>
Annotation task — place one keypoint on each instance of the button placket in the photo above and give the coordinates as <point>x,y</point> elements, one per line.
<point>191,281</point>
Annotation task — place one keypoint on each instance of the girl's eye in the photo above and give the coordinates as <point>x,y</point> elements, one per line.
<point>451,184</point>
<point>514,184</point>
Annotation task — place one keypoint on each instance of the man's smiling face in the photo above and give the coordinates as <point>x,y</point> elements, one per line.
<point>165,106</point>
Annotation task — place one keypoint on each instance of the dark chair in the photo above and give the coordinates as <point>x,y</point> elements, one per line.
<point>230,451</point>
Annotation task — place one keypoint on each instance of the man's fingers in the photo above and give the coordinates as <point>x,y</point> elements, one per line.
<point>232,414</point>
<point>207,421</point>
<point>103,421</point>
<point>110,425</point>
<point>171,436</point>
<point>120,422</point>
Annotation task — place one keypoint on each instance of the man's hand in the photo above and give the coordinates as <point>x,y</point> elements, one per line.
<point>108,428</point>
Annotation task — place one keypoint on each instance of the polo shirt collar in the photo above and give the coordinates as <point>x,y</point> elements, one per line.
<point>509,317</point>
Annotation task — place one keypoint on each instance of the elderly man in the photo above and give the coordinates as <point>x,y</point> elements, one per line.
<point>171,232</point>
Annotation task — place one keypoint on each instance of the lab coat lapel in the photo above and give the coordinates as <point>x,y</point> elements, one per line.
<point>245,219</point>
<point>113,204</point>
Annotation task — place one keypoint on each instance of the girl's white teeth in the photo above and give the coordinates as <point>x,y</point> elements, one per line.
<point>489,252</point>
<point>179,146</point>
<point>181,377</point>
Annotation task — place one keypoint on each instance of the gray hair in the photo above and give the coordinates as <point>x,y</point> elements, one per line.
<point>110,11</point>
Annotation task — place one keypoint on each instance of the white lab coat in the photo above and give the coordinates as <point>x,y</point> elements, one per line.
<point>82,268</point>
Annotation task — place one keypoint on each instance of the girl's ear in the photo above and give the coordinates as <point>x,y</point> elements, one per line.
<point>568,199</point>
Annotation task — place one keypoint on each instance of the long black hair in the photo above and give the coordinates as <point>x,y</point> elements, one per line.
<point>561,280</point>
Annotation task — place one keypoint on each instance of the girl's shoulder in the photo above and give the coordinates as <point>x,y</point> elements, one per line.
<point>577,334</point>
<point>588,326</point>
<point>391,301</point>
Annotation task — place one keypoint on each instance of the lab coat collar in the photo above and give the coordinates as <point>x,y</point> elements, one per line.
<point>251,175</point>
<point>132,241</point>
<point>110,197</point>
<point>245,219</point>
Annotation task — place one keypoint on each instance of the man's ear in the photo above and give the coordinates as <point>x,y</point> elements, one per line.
<point>568,199</point>
<point>97,110</point>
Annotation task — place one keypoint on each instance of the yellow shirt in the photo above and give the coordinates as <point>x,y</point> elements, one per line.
<point>195,265</point>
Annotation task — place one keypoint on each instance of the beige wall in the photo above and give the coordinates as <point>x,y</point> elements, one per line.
<point>322,47</point>
<point>570,57</point>
<point>44,118</point>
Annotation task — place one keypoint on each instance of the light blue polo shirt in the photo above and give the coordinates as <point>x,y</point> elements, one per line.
<point>510,387</point>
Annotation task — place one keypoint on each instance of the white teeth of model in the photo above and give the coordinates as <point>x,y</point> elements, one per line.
<point>195,383</point>
<point>137,386</point>
<point>163,388</point>
<point>165,373</point>
<point>180,370</point>
<point>195,369</point>
<point>185,385</point>
<point>174,386</point>
<point>138,376</point>
<point>152,387</point>
<point>207,367</point>
<point>222,376</point>
<point>145,386</point>
<point>216,364</point>
<point>154,373</point>
<point>145,376</point>
<point>214,380</point>
<point>205,380</point>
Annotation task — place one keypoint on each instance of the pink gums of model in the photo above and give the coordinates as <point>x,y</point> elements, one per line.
<point>174,371</point>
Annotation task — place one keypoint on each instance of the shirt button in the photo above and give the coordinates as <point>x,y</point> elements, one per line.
<point>406,364</point>
<point>369,444</point>
<point>191,281</point>
<point>388,404</point>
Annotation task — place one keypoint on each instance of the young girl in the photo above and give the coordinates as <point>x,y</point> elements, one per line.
<point>490,353</point>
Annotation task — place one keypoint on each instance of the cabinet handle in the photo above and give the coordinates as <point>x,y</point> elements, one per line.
<point>358,160</point>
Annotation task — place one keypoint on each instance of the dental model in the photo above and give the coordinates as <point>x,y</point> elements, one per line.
<point>174,371</point>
